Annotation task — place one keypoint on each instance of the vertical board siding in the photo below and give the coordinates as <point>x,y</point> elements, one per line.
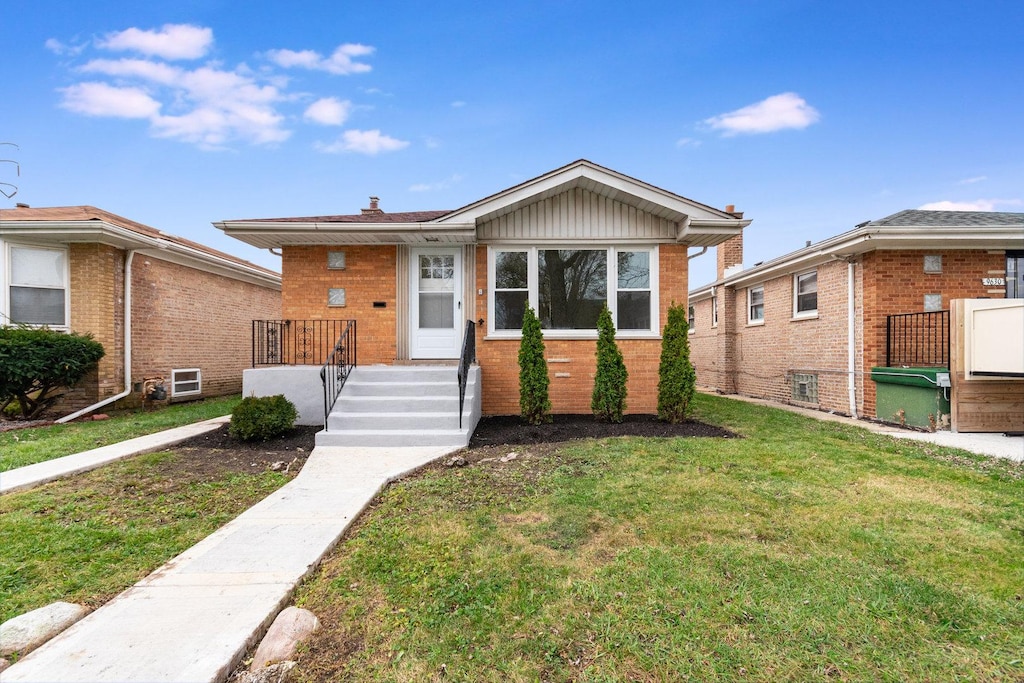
<point>576,215</point>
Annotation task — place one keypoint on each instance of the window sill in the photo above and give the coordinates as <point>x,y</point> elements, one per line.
<point>798,318</point>
<point>756,323</point>
<point>582,336</point>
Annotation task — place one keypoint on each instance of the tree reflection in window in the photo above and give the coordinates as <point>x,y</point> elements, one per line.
<point>573,286</point>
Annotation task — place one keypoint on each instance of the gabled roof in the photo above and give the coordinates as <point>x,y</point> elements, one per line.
<point>696,224</point>
<point>85,224</point>
<point>911,229</point>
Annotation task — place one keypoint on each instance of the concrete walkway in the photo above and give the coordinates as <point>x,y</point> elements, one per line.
<point>194,618</point>
<point>42,472</point>
<point>995,445</point>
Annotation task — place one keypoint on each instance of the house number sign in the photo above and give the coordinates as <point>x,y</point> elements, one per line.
<point>993,281</point>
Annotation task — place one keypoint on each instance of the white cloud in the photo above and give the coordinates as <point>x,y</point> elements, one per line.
<point>172,41</point>
<point>976,205</point>
<point>157,72</point>
<point>328,111</point>
<point>458,104</point>
<point>778,112</point>
<point>363,142</point>
<point>972,181</point>
<point>687,142</point>
<point>59,48</point>
<point>340,62</point>
<point>434,187</point>
<point>101,99</point>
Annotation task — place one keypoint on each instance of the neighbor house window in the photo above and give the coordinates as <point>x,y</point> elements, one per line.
<point>805,294</point>
<point>755,305</point>
<point>37,286</point>
<point>336,296</point>
<point>186,382</point>
<point>1015,275</point>
<point>714,311</point>
<point>691,317</point>
<point>933,263</point>
<point>336,260</point>
<point>569,287</point>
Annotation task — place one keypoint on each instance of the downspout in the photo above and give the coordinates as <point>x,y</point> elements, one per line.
<point>127,345</point>
<point>851,318</point>
<point>703,251</point>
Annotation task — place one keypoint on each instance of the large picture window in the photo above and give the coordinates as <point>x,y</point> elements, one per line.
<point>37,286</point>
<point>568,287</point>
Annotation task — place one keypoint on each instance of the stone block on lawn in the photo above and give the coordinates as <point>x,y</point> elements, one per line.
<point>291,627</point>
<point>28,631</point>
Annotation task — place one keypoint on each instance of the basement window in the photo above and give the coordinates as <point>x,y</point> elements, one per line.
<point>805,388</point>
<point>186,382</point>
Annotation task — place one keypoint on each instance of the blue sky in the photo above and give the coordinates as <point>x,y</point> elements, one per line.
<point>809,116</point>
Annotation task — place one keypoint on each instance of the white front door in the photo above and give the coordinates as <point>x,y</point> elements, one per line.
<point>435,311</point>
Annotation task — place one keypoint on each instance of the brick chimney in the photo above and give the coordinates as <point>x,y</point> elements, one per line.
<point>730,252</point>
<point>374,209</point>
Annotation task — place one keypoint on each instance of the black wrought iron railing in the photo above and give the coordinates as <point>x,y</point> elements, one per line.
<point>294,342</point>
<point>338,367</point>
<point>465,361</point>
<point>917,340</point>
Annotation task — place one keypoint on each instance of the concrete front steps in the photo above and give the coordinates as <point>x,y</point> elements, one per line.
<point>403,405</point>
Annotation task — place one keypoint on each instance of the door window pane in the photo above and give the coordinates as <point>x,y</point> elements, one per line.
<point>437,310</point>
<point>573,287</point>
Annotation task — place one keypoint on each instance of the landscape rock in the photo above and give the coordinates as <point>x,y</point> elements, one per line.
<point>456,461</point>
<point>275,673</point>
<point>291,627</point>
<point>4,664</point>
<point>509,458</point>
<point>28,631</point>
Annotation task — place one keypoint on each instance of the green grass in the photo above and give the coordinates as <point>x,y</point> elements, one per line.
<point>21,447</point>
<point>804,551</point>
<point>87,538</point>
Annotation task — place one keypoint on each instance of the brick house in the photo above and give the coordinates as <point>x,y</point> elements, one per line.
<point>566,243</point>
<point>807,328</point>
<point>189,310</point>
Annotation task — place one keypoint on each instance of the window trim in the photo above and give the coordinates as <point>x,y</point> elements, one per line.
<point>809,313</point>
<point>714,311</point>
<point>750,319</point>
<point>691,317</point>
<point>7,249</point>
<point>175,382</point>
<point>611,290</point>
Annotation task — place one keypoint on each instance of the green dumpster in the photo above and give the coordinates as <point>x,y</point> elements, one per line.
<point>915,397</point>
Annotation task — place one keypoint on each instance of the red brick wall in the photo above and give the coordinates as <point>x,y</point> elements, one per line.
<point>895,282</point>
<point>577,358</point>
<point>186,318</point>
<point>97,308</point>
<point>369,276</point>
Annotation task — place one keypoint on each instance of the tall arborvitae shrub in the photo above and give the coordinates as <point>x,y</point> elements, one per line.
<point>676,376</point>
<point>609,398</point>
<point>534,404</point>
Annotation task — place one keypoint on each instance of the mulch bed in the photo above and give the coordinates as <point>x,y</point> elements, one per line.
<point>510,429</point>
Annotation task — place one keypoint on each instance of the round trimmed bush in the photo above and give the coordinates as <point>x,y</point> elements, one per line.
<point>258,418</point>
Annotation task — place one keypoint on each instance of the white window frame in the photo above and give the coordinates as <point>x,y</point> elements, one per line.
<point>612,289</point>
<point>191,392</point>
<point>7,249</point>
<point>750,295</point>
<point>714,311</point>
<point>811,312</point>
<point>691,317</point>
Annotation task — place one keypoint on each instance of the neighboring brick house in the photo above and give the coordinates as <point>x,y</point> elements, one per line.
<point>806,328</point>
<point>190,312</point>
<point>566,243</point>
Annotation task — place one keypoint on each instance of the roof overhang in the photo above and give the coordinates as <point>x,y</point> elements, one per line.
<point>276,234</point>
<point>102,232</point>
<point>867,238</point>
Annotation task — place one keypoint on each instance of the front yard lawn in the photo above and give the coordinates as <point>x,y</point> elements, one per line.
<point>21,447</point>
<point>803,551</point>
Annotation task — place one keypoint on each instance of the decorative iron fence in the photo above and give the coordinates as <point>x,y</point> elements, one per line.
<point>294,342</point>
<point>465,360</point>
<point>338,367</point>
<point>917,340</point>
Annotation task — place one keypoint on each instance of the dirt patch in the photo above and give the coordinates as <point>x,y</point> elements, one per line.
<point>510,429</point>
<point>215,453</point>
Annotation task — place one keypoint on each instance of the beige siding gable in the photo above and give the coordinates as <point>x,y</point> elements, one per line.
<point>577,215</point>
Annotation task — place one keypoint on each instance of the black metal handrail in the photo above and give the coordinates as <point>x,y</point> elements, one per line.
<point>338,367</point>
<point>294,342</point>
<point>465,360</point>
<point>917,340</point>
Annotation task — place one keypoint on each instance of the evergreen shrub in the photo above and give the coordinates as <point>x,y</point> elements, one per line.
<point>262,417</point>
<point>534,403</point>
<point>677,379</point>
<point>608,401</point>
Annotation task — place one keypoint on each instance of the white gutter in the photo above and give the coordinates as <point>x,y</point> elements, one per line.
<point>127,345</point>
<point>851,363</point>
